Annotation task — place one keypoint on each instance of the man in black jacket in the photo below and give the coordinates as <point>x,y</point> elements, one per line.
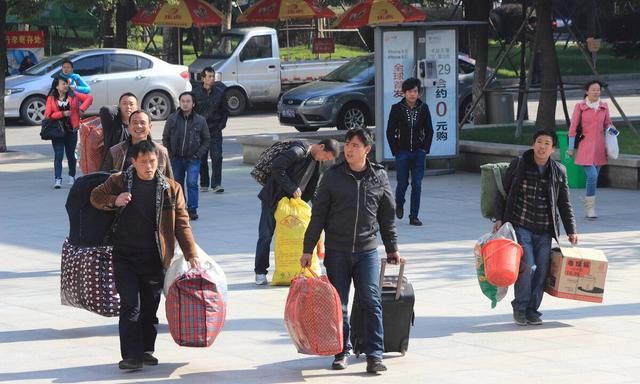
<point>210,104</point>
<point>353,202</point>
<point>186,137</point>
<point>294,173</point>
<point>115,124</point>
<point>409,134</point>
<point>536,189</point>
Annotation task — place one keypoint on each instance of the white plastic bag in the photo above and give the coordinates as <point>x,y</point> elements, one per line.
<point>179,266</point>
<point>506,231</point>
<point>611,142</point>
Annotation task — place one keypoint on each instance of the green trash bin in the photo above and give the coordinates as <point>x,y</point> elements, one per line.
<point>575,173</point>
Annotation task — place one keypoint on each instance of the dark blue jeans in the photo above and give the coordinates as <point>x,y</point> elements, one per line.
<point>215,150</point>
<point>534,264</point>
<point>410,162</point>
<point>191,167</point>
<point>266,227</point>
<point>65,145</point>
<point>364,269</point>
<point>139,290</point>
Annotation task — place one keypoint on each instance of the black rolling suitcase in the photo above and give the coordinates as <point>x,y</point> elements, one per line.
<point>397,313</point>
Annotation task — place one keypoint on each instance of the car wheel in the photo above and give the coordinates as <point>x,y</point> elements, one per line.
<point>32,110</point>
<point>464,108</point>
<point>302,128</point>
<point>236,101</point>
<point>158,105</point>
<point>353,115</point>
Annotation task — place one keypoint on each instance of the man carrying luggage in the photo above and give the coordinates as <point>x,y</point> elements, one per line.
<point>353,202</point>
<point>294,173</point>
<point>536,189</point>
<point>152,216</point>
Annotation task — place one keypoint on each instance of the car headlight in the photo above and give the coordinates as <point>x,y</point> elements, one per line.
<point>11,91</point>
<point>319,100</point>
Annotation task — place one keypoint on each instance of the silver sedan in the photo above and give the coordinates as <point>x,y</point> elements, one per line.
<point>109,73</point>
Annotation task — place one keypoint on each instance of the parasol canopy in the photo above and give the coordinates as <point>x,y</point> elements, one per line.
<point>271,11</point>
<point>373,12</point>
<point>184,14</point>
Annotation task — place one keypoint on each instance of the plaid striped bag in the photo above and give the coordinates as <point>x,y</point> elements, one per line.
<point>196,309</point>
<point>313,315</point>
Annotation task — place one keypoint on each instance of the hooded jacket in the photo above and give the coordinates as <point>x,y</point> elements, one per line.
<point>186,137</point>
<point>558,193</point>
<point>172,219</point>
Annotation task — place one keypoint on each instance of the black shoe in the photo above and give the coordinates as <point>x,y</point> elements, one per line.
<point>415,221</point>
<point>193,215</point>
<point>519,317</point>
<point>149,359</point>
<point>130,364</point>
<point>399,212</point>
<point>534,320</point>
<point>340,362</point>
<point>375,366</point>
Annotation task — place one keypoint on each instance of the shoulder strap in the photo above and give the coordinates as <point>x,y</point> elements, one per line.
<point>307,175</point>
<point>498,176</point>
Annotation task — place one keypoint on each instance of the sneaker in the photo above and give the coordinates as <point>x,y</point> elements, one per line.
<point>399,212</point>
<point>130,364</point>
<point>261,279</point>
<point>375,366</point>
<point>519,317</point>
<point>415,221</point>
<point>204,189</point>
<point>57,184</point>
<point>217,189</point>
<point>193,215</point>
<point>149,359</point>
<point>71,180</point>
<point>534,320</point>
<point>340,362</point>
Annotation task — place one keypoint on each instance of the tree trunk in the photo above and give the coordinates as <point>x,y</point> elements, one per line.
<point>107,29</point>
<point>229,15</point>
<point>548,96</point>
<point>3,69</point>
<point>170,44</point>
<point>122,29</point>
<point>478,10</point>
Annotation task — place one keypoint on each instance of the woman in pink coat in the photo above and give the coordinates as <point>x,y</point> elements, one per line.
<point>593,115</point>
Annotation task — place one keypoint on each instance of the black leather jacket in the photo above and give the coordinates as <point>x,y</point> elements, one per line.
<point>211,106</point>
<point>287,171</point>
<point>188,138</point>
<point>402,135</point>
<point>558,193</point>
<point>351,212</point>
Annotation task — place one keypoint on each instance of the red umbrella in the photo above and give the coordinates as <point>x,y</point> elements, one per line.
<point>271,11</point>
<point>378,12</point>
<point>183,14</point>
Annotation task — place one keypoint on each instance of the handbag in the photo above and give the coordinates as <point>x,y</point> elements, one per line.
<point>611,142</point>
<point>51,129</point>
<point>579,136</point>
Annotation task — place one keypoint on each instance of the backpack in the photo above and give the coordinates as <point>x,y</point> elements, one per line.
<point>490,185</point>
<point>262,169</point>
<point>88,226</point>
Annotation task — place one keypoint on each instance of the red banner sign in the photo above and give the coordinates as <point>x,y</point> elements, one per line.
<point>25,39</point>
<point>323,45</point>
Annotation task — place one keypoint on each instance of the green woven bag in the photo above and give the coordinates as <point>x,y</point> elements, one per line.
<point>490,185</point>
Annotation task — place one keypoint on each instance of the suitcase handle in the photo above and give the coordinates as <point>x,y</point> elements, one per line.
<point>383,266</point>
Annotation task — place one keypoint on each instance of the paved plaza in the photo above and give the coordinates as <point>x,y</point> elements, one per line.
<point>457,337</point>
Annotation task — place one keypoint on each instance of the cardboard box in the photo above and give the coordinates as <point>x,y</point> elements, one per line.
<point>577,274</point>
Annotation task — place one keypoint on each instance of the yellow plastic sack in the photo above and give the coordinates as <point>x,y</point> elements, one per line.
<point>292,218</point>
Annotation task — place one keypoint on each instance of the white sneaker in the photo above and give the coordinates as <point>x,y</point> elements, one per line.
<point>204,189</point>
<point>261,279</point>
<point>71,180</point>
<point>217,189</point>
<point>57,184</point>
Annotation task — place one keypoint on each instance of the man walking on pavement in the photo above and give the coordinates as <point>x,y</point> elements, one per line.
<point>210,104</point>
<point>152,217</point>
<point>294,173</point>
<point>409,133</point>
<point>186,137</point>
<point>353,202</point>
<point>537,189</point>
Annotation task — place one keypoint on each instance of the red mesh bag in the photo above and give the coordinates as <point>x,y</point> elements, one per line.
<point>195,309</point>
<point>92,148</point>
<point>313,316</point>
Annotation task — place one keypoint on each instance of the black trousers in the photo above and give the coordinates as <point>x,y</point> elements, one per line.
<point>139,287</point>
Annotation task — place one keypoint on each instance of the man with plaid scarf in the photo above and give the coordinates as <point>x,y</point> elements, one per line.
<point>537,190</point>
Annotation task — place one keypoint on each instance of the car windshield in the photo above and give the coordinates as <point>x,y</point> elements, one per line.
<point>356,71</point>
<point>221,47</point>
<point>47,65</point>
